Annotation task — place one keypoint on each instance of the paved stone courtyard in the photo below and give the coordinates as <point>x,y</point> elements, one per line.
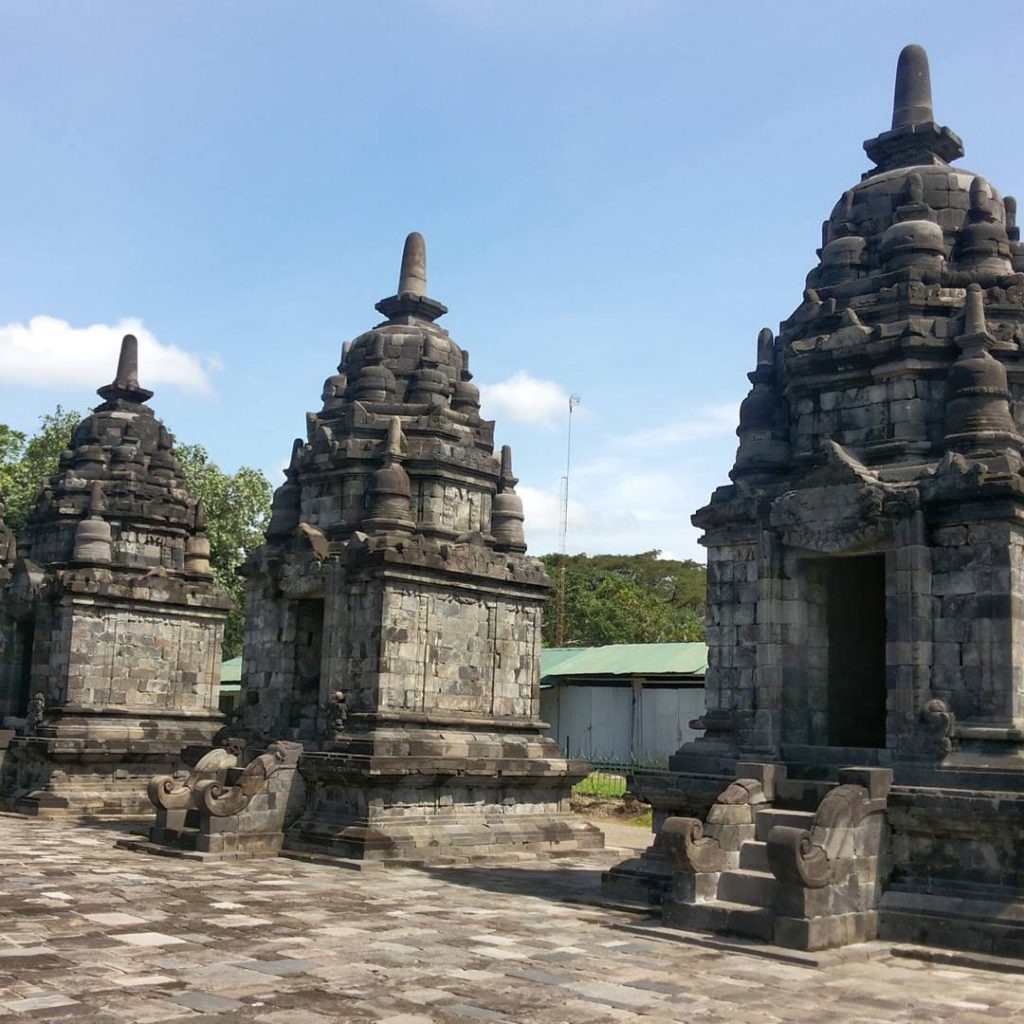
<point>90,934</point>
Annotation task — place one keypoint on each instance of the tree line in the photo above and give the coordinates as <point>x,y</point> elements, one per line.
<point>623,599</point>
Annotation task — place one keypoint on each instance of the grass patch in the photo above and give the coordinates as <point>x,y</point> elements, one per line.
<point>603,785</point>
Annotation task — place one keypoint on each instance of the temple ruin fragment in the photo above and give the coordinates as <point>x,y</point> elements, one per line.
<point>110,623</point>
<point>861,771</point>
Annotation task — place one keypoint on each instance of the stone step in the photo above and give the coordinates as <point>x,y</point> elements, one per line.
<point>722,917</point>
<point>767,819</point>
<point>751,888</point>
<point>754,856</point>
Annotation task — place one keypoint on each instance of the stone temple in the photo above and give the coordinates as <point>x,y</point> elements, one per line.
<point>861,771</point>
<point>110,623</point>
<point>394,616</point>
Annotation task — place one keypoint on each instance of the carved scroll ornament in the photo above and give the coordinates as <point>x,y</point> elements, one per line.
<point>807,857</point>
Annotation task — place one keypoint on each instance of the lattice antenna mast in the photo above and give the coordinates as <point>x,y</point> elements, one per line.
<point>563,527</point>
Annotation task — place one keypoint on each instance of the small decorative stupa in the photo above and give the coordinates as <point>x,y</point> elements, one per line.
<point>866,587</point>
<point>394,618</point>
<point>110,623</point>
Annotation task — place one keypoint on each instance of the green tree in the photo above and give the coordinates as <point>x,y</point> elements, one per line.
<point>622,599</point>
<point>26,463</point>
<point>236,507</point>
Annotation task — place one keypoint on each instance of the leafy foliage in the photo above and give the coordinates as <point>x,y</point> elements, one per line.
<point>26,463</point>
<point>626,599</point>
<point>236,508</point>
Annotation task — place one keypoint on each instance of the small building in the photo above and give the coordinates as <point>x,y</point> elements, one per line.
<point>230,685</point>
<point>626,703</point>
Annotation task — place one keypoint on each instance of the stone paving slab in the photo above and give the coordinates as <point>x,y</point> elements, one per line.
<point>94,935</point>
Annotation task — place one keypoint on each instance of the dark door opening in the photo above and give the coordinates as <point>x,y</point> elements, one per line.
<point>855,590</point>
<point>26,642</point>
<point>305,696</point>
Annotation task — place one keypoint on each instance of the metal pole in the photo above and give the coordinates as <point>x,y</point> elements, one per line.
<point>574,400</point>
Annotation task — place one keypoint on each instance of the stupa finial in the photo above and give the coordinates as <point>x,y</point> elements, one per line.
<point>411,298</point>
<point>393,449</point>
<point>914,138</point>
<point>125,385</point>
<point>413,277</point>
<point>975,325</point>
<point>97,501</point>
<point>128,361</point>
<point>912,98</point>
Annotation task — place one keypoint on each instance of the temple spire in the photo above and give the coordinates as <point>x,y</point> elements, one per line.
<point>125,385</point>
<point>411,298</point>
<point>914,139</point>
<point>912,99</point>
<point>413,277</point>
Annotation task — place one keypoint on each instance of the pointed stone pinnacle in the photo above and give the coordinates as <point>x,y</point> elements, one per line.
<point>413,278</point>
<point>97,503</point>
<point>394,442</point>
<point>128,362</point>
<point>125,385</point>
<point>411,299</point>
<point>912,192</point>
<point>974,313</point>
<point>765,347</point>
<point>507,480</point>
<point>912,99</point>
<point>980,195</point>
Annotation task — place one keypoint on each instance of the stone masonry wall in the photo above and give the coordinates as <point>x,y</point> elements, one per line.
<point>145,661</point>
<point>977,592</point>
<point>340,500</point>
<point>732,627</point>
<point>451,651</point>
<point>905,407</point>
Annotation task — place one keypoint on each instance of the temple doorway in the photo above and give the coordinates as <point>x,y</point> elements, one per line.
<point>855,601</point>
<point>305,696</point>
<point>26,643</point>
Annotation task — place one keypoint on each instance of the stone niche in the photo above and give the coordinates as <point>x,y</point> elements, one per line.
<point>394,616</point>
<point>865,584</point>
<point>110,623</point>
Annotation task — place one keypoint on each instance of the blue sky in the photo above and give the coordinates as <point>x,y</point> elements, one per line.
<point>615,197</point>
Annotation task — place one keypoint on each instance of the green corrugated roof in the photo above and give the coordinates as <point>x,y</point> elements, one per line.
<point>610,660</point>
<point>688,659</point>
<point>231,670</point>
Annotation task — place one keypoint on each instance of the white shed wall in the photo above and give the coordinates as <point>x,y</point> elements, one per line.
<point>621,722</point>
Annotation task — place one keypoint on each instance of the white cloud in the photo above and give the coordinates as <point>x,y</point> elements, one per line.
<point>706,421</point>
<point>525,399</point>
<point>48,352</point>
<point>543,510</point>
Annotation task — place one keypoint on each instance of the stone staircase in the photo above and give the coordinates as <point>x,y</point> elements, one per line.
<point>801,879</point>
<point>222,811</point>
<point>746,894</point>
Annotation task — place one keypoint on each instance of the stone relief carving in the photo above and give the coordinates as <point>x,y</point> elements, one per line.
<point>844,506</point>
